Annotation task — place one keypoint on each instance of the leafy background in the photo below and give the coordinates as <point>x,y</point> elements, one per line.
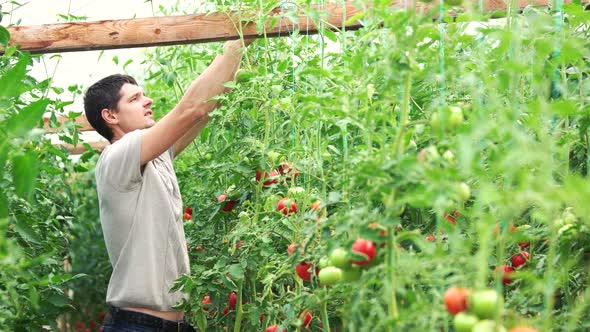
<point>353,112</point>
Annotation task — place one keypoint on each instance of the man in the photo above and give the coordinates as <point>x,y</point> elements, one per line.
<point>139,198</point>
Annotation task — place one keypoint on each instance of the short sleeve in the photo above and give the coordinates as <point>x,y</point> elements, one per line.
<point>120,164</point>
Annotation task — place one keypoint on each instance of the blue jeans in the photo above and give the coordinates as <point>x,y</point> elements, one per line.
<point>119,320</point>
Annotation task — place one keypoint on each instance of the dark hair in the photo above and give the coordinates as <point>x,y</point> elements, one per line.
<point>105,93</point>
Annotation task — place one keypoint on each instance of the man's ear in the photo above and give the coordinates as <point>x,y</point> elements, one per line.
<point>109,116</point>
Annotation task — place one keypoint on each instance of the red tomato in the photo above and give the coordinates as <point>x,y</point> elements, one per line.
<point>287,169</point>
<point>365,248</point>
<point>452,217</point>
<point>430,238</point>
<point>274,174</point>
<point>291,248</point>
<point>303,270</point>
<point>524,245</point>
<point>187,216</point>
<point>239,244</point>
<point>520,259</point>
<point>233,299</point>
<point>225,310</point>
<point>206,302</point>
<point>456,299</point>
<point>506,272</point>
<point>273,328</point>
<point>188,210</point>
<point>227,207</point>
<point>261,319</point>
<point>286,206</point>
<point>307,318</point>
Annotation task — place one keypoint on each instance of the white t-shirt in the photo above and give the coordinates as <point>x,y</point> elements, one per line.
<point>141,217</point>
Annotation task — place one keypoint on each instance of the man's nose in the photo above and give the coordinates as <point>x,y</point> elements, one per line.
<point>147,102</point>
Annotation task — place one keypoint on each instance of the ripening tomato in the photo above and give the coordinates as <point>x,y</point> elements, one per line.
<point>206,302</point>
<point>233,300</point>
<point>303,270</point>
<point>273,178</point>
<point>430,237</point>
<point>187,216</point>
<point>291,248</point>
<point>306,319</point>
<point>365,248</point>
<point>239,244</point>
<point>522,329</point>
<point>520,259</point>
<point>456,299</point>
<point>286,206</point>
<point>315,206</point>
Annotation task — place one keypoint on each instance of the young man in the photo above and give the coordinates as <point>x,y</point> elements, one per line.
<point>139,198</point>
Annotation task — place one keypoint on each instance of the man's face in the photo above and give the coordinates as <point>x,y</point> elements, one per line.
<point>134,109</point>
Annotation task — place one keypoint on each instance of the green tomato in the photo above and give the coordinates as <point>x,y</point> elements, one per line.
<point>463,191</point>
<point>351,274</point>
<point>330,275</point>
<point>485,304</point>
<point>339,258</point>
<point>464,322</point>
<point>455,116</point>
<point>449,156</point>
<point>487,326</point>
<point>243,75</point>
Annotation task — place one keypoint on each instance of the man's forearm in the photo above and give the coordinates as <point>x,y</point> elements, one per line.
<point>210,83</point>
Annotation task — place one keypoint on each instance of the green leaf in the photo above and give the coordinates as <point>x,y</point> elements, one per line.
<point>236,272</point>
<point>4,36</point>
<point>27,118</point>
<point>25,171</point>
<point>58,300</point>
<point>27,232</point>
<point>34,297</point>
<point>10,82</point>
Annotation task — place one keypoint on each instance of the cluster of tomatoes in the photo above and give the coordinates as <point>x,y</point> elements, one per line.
<point>93,325</point>
<point>476,311</point>
<point>341,265</point>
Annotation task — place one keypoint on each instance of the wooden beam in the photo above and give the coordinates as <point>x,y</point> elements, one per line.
<point>158,31</point>
<point>79,149</point>
<point>188,29</point>
<point>81,120</point>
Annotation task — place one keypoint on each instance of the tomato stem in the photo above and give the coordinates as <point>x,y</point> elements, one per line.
<point>404,115</point>
<point>390,245</point>
<point>325,320</point>
<point>238,323</point>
